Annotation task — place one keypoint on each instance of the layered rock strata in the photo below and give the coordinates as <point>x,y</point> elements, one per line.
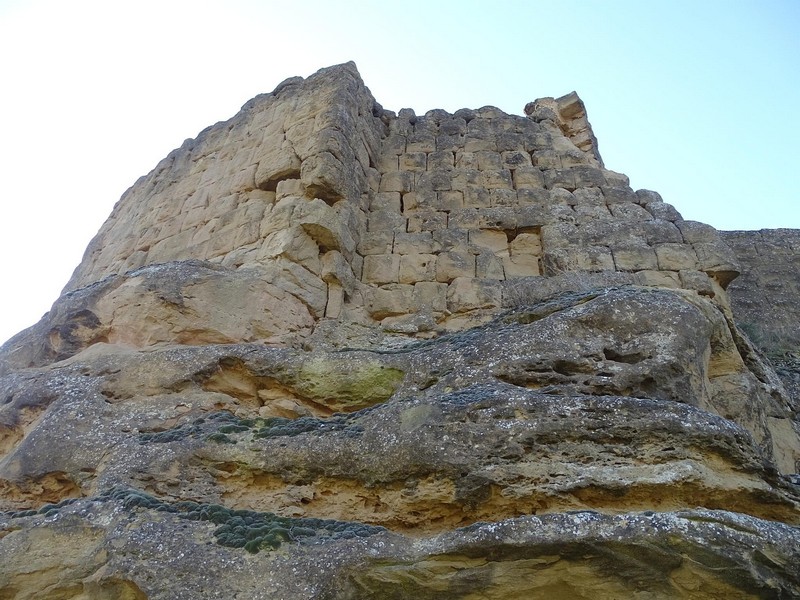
<point>328,351</point>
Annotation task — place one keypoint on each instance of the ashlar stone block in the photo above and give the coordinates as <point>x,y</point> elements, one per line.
<point>429,296</point>
<point>389,300</point>
<point>450,265</point>
<point>386,201</point>
<point>675,257</point>
<point>635,259</point>
<point>426,220</point>
<point>381,268</point>
<point>397,181</point>
<point>375,242</point>
<point>521,265</point>
<point>489,266</point>
<point>492,240</point>
<point>500,178</point>
<point>420,242</point>
<point>466,293</point>
<point>417,267</point>
<point>527,177</point>
<point>413,161</point>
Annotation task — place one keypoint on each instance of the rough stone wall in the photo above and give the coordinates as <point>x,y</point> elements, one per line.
<point>765,297</point>
<point>410,221</point>
<point>231,399</point>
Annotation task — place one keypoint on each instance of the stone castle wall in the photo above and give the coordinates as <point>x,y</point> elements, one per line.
<point>410,221</point>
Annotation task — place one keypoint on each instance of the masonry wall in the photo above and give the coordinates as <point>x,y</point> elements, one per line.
<point>369,216</point>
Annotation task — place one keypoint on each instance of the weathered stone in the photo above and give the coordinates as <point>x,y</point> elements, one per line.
<point>535,400</point>
<point>381,268</point>
<point>450,265</point>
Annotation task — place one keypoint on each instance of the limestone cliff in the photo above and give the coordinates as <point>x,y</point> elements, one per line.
<point>324,350</point>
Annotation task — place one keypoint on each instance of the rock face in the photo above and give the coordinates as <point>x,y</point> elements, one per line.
<point>328,351</point>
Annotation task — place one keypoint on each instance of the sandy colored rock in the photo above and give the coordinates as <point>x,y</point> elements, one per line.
<point>325,350</point>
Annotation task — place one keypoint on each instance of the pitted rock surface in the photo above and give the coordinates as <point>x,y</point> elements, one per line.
<point>324,350</point>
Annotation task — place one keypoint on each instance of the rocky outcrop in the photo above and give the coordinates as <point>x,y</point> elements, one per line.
<point>327,351</point>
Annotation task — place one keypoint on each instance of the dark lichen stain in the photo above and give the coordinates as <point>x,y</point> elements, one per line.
<point>251,530</point>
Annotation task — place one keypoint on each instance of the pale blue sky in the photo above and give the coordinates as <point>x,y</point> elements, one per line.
<point>696,100</point>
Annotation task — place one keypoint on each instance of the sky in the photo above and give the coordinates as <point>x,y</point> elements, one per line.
<point>694,99</point>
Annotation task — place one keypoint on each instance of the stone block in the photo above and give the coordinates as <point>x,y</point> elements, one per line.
<point>718,260</point>
<point>694,232</point>
<point>664,211</point>
<point>526,243</point>
<point>515,159</point>
<point>386,201</point>
<point>466,160</point>
<point>589,212</point>
<point>479,144</point>
<point>434,180</point>
<point>500,178</point>
<point>635,258</point>
<point>417,267</point>
<point>466,293</point>
<point>387,162</point>
<point>293,244</point>
<point>510,141</point>
<point>441,160</point>
<point>413,161</point>
<point>492,240</point>
<point>462,178</point>
<point>324,176</point>
<point>429,296</point>
<point>675,257</point>
<point>589,258</point>
<point>502,197</point>
<point>381,268</point>
<point>397,181</point>
<point>488,161</point>
<point>546,159</point>
<point>289,187</point>
<point>336,270</point>
<point>325,225</point>
<point>385,220</point>
<point>420,199</point>
<point>299,282</point>
<point>394,145</point>
<point>476,197</point>
<point>489,266</point>
<point>697,280</point>
<point>375,242</point>
<point>665,279</point>
<point>450,265</point>
<point>499,217</point>
<point>527,177</point>
<point>450,200</point>
<point>658,231</point>
<point>559,178</point>
<point>591,196</point>
<point>420,242</point>
<point>538,196</point>
<point>521,265</point>
<point>447,240</point>
<point>333,308</point>
<point>389,300</point>
<point>464,218</point>
<point>645,197</point>
<point>630,211</point>
<point>421,141</point>
<point>449,143</point>
<point>426,220</point>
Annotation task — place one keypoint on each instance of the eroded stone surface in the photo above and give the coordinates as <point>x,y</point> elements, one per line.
<point>329,351</point>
